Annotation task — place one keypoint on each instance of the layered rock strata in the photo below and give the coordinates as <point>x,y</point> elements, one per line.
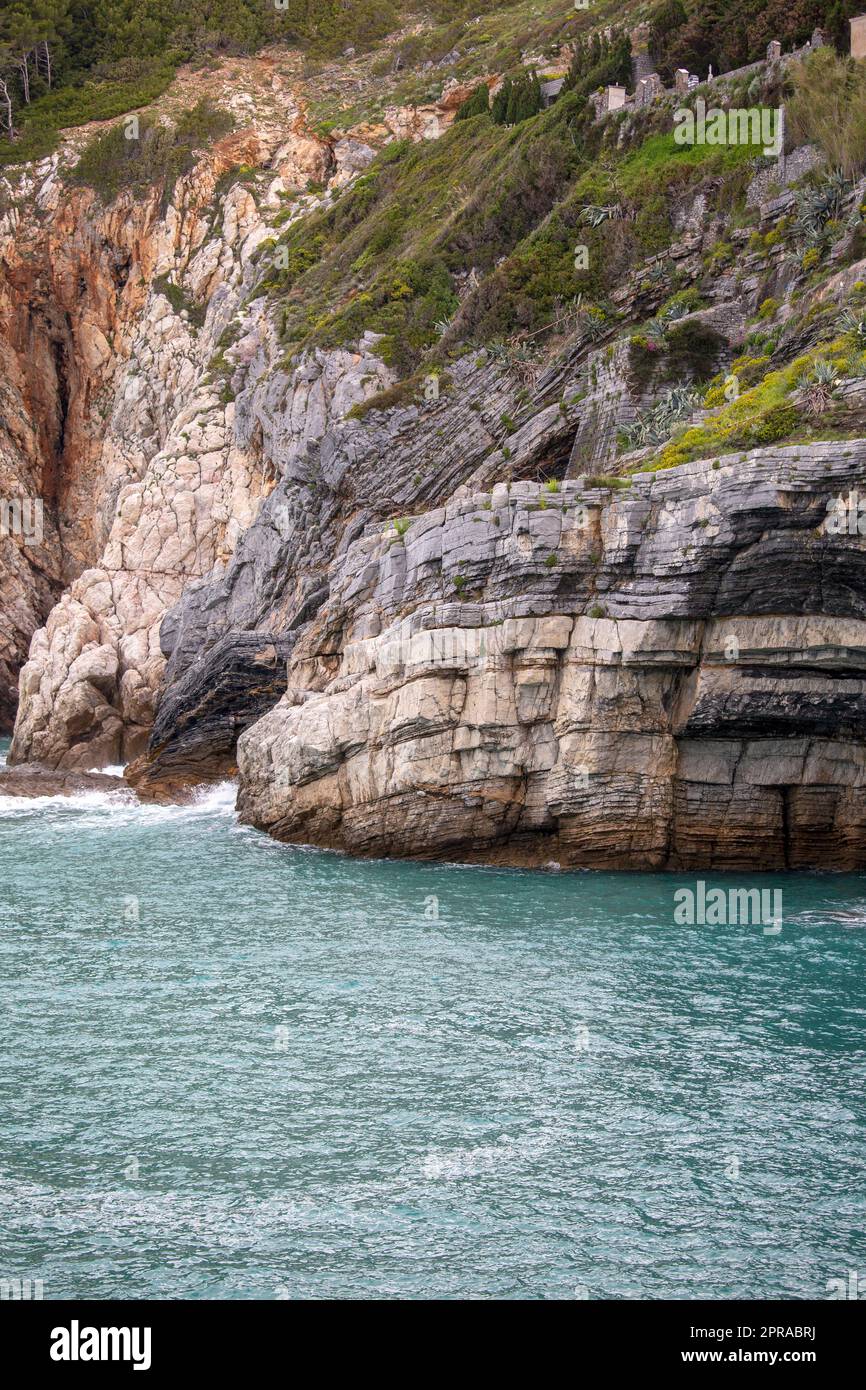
<point>670,675</point>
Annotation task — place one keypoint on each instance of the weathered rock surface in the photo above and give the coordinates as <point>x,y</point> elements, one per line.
<point>418,628</point>
<point>671,675</point>
<point>33,780</point>
<point>172,486</point>
<point>339,475</point>
<point>198,723</point>
<point>69,284</point>
<point>109,415</point>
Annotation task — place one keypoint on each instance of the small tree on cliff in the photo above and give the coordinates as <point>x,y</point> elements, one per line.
<point>499,108</point>
<point>604,61</point>
<point>518,98</point>
<point>478,104</point>
<point>5,103</point>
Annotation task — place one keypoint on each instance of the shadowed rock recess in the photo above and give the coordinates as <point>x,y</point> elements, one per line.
<point>356,490</point>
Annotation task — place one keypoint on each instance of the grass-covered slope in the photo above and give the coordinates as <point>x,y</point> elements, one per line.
<point>473,237</point>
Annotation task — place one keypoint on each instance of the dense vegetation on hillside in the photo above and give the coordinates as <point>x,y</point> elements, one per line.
<point>472,237</point>
<point>469,241</point>
<point>520,225</point>
<point>64,62</point>
<point>731,33</point>
<point>67,61</point>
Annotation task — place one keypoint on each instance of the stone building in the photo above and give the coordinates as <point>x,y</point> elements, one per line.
<point>648,90</point>
<point>551,89</point>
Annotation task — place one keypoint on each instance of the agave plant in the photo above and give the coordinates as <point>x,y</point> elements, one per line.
<point>819,204</point>
<point>816,390</point>
<point>659,423</point>
<point>591,322</point>
<point>516,356</point>
<point>655,330</point>
<point>595,215</point>
<point>675,310</point>
<point>854,323</point>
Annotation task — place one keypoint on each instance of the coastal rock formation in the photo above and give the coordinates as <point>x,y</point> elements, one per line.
<point>67,295</point>
<point>338,475</point>
<point>111,318</point>
<point>325,439</point>
<point>671,675</point>
<point>33,779</point>
<point>169,488</point>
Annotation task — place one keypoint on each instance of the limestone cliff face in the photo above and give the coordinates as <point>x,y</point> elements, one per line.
<point>145,484</point>
<point>152,485</point>
<point>671,675</point>
<point>337,476</point>
<point>71,281</point>
<point>110,415</point>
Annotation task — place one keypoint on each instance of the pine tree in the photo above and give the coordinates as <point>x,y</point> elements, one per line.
<point>477,104</point>
<point>499,110</point>
<point>612,65</point>
<point>19,34</point>
<point>515,99</point>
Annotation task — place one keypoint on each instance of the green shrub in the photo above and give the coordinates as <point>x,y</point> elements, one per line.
<point>133,83</point>
<point>762,415</point>
<point>517,100</point>
<point>179,302</point>
<point>158,154</point>
<point>644,356</point>
<point>404,393</point>
<point>828,108</point>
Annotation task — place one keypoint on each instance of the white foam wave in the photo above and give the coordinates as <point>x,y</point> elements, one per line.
<point>22,805</point>
<point>853,916</point>
<point>90,808</point>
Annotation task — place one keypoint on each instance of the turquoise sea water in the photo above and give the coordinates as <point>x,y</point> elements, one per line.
<point>236,1069</point>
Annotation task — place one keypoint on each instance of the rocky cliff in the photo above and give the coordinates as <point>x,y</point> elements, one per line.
<point>115,416</point>
<point>670,675</point>
<point>451,611</point>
